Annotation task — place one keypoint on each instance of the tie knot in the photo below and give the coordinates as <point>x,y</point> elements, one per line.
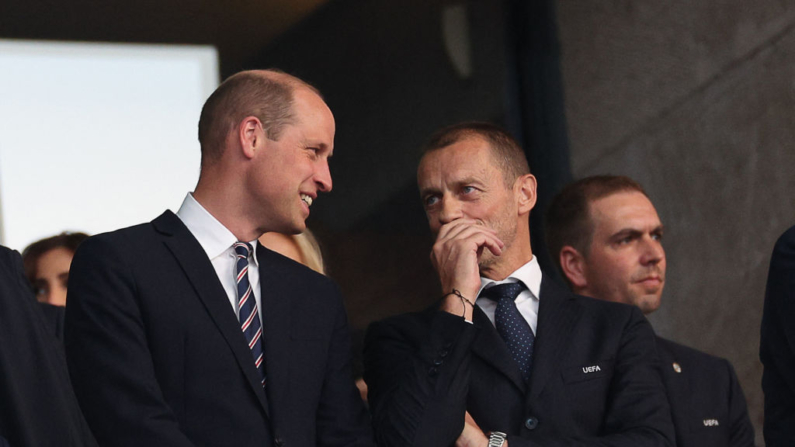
<point>242,249</point>
<point>509,290</point>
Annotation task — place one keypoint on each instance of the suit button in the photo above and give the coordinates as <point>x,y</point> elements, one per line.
<point>278,442</point>
<point>433,371</point>
<point>531,423</point>
<point>444,353</point>
<point>437,362</point>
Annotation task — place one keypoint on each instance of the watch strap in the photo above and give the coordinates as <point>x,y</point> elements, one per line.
<point>496,438</point>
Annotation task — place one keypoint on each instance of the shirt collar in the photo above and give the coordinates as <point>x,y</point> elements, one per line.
<point>529,274</point>
<point>212,235</point>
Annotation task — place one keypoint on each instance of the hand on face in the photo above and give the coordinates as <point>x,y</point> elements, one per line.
<point>455,255</point>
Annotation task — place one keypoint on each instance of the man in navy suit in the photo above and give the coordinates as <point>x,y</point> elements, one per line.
<point>184,331</point>
<point>507,357</point>
<point>37,405</point>
<point>778,344</point>
<point>606,238</point>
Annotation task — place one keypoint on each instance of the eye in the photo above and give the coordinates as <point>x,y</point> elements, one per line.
<point>657,236</point>
<point>626,240</point>
<point>431,201</point>
<point>468,189</point>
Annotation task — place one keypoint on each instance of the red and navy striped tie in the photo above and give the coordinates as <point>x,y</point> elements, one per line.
<point>247,309</point>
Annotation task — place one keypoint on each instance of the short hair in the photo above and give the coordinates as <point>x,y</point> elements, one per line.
<point>34,251</point>
<point>266,94</point>
<point>506,151</point>
<point>569,221</point>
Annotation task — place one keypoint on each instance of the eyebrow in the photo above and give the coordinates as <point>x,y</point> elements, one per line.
<point>635,231</point>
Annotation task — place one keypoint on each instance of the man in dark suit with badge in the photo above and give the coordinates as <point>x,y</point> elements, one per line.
<point>777,350</point>
<point>606,237</point>
<point>184,331</point>
<point>507,357</point>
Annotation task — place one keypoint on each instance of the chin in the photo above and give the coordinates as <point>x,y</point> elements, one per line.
<point>486,261</point>
<point>648,304</point>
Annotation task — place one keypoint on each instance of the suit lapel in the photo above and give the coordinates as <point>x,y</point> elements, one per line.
<point>193,260</point>
<point>492,349</point>
<point>677,384</point>
<point>556,316</point>
<point>276,315</point>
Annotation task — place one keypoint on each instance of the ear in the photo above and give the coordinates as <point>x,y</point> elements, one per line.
<point>573,265</point>
<point>251,136</point>
<point>525,190</point>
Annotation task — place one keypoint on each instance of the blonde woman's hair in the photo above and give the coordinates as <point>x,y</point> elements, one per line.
<point>310,250</point>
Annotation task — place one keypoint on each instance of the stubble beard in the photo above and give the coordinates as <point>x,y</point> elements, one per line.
<point>487,259</point>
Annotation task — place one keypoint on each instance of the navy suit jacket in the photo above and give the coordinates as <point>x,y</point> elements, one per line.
<point>54,320</point>
<point>157,356</point>
<point>777,350</point>
<point>707,402</point>
<point>595,378</point>
<point>37,405</point>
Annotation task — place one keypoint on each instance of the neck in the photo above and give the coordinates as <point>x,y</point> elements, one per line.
<point>219,201</point>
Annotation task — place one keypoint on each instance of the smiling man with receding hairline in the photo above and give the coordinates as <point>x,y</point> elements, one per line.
<point>185,331</point>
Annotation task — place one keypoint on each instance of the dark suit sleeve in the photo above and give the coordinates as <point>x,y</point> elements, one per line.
<point>417,375</point>
<point>37,406</point>
<point>638,412</point>
<point>342,419</point>
<point>777,350</point>
<point>107,353</point>
<point>741,431</point>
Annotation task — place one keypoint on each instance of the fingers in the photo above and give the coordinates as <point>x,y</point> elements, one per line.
<point>450,230</point>
<point>471,435</point>
<point>457,252</point>
<point>468,419</point>
<point>466,238</point>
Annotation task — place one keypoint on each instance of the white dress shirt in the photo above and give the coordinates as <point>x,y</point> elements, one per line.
<point>526,301</point>
<point>217,241</point>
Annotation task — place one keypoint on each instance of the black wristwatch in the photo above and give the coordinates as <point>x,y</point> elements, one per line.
<point>497,438</point>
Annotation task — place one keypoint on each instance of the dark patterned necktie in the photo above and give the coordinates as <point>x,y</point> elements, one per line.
<point>511,326</point>
<point>247,309</point>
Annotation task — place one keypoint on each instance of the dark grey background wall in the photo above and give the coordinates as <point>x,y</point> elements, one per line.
<point>693,98</point>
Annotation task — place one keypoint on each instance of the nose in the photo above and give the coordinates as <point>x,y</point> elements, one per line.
<point>449,210</point>
<point>653,252</point>
<point>323,177</point>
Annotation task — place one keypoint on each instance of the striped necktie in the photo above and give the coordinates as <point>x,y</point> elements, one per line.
<point>247,309</point>
<point>511,325</point>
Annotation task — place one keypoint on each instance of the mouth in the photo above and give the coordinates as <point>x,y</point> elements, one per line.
<point>307,199</point>
<point>651,281</point>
